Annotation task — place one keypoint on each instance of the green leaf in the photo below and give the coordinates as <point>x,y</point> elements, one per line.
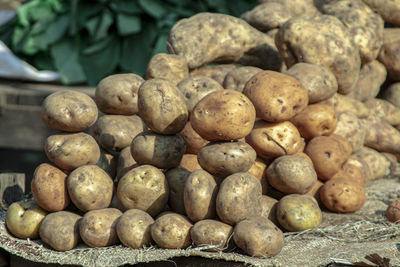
<point>97,46</point>
<point>43,61</point>
<point>53,32</point>
<point>42,25</point>
<point>126,6</point>
<point>128,24</point>
<point>161,44</point>
<point>154,8</point>
<point>81,12</point>
<point>98,26</point>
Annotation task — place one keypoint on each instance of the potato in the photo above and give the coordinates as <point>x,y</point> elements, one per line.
<point>23,219</point>
<point>190,163</point>
<point>321,40</point>
<point>237,78</point>
<point>352,172</point>
<point>389,55</point>
<point>223,115</point>
<point>49,188</point>
<point>297,7</point>
<point>107,162</point>
<point>291,175</point>
<point>258,170</point>
<point>393,211</point>
<point>199,195</point>
<point>384,109</point>
<point>144,188</point>
<point>314,192</point>
<point>392,94</point>
<point>125,162</point>
<point>60,230</point>
<point>315,120</point>
<point>176,179</point>
<point>71,150</point>
<point>258,237</point>
<point>268,207</point>
<point>211,232</point>
<point>297,212</point>
<point>238,198</point>
<point>192,139</point>
<point>319,81</point>
<point>376,163</point>
<point>90,188</point>
<point>271,140</point>
<point>195,88</point>
<point>212,37</point>
<point>162,151</point>
<point>342,195</point>
<point>351,128</point>
<point>133,229</point>
<point>345,103</point>
<point>69,111</point>
<point>98,227</point>
<point>359,162</point>
<point>171,67</point>
<point>162,106</point>
<point>171,230</point>
<point>115,132</point>
<point>276,96</point>
<point>215,72</point>
<point>389,10</point>
<point>394,166</point>
<point>225,158</point>
<point>117,94</point>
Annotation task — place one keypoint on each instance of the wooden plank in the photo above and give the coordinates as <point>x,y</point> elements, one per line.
<point>12,187</point>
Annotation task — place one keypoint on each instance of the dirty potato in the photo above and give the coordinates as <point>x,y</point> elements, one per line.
<point>171,67</point>
<point>211,233</point>
<point>216,72</point>
<point>237,78</point>
<point>192,139</point>
<point>351,128</point>
<point>177,178</point>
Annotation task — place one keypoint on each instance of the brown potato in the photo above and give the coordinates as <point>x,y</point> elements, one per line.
<point>162,106</point>
<point>215,72</point>
<point>352,172</point>
<point>171,230</point>
<point>133,229</point>
<point>144,188</point>
<point>117,94</point>
<point>351,128</point>
<point>192,139</point>
<point>388,10</point>
<point>199,195</point>
<point>223,115</point>
<point>90,188</point>
<point>125,162</point>
<point>298,7</point>
<point>314,192</point>
<point>389,55</point>
<point>69,111</point>
<point>393,211</point>
<point>342,195</point>
<point>162,151</point>
<point>115,132</point>
<point>237,78</point>
<point>108,162</point>
<point>392,94</point>
<point>384,110</point>
<point>49,188</point>
<point>276,96</point>
<point>60,230</point>
<point>345,103</point>
<point>171,67</point>
<point>268,206</point>
<point>211,233</point>
<point>376,163</point>
<point>98,227</point>
<point>176,179</point>
<point>258,170</point>
<point>190,163</point>
<point>238,198</point>
<point>361,164</point>
<point>72,150</point>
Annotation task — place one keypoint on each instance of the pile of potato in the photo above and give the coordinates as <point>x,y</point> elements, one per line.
<point>231,154</point>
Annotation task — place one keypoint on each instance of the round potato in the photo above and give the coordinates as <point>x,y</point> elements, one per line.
<point>72,150</point>
<point>167,66</point>
<point>215,72</point>
<point>192,139</point>
<point>238,198</point>
<point>268,208</point>
<point>90,188</point>
<point>144,188</point>
<point>171,230</point>
<point>211,233</point>
<point>115,132</point>
<point>393,211</point>
<point>190,163</point>
<point>117,94</point>
<point>176,179</point>
<point>162,151</point>
<point>125,162</point>
<point>237,78</point>
<point>60,230</point>
<point>223,115</point>
<point>225,158</point>
<point>49,188</point>
<point>98,227</point>
<point>258,170</point>
<point>69,111</point>
<point>133,229</point>
<point>351,171</point>
<point>162,106</point>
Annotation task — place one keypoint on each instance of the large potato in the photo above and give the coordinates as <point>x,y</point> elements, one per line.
<point>162,106</point>
<point>215,72</point>
<point>70,151</point>
<point>375,162</point>
<point>351,128</point>
<point>384,109</point>
<point>69,111</point>
<point>344,103</point>
<point>389,54</point>
<point>171,67</point>
<point>298,7</point>
<point>176,179</point>
<point>237,78</point>
<point>389,10</point>
<point>117,94</point>
<point>192,139</point>
<point>211,232</point>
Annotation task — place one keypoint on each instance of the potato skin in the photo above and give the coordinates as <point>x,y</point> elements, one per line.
<point>215,72</point>
<point>72,150</point>
<point>192,139</point>
<point>166,66</point>
<point>389,55</point>
<point>49,188</point>
<point>237,78</point>
<point>125,162</point>
<point>190,163</point>
<point>177,178</point>
<point>258,170</point>
<point>269,205</point>
<point>393,211</point>
<point>211,232</point>
<point>69,111</point>
<point>392,94</point>
<point>351,128</point>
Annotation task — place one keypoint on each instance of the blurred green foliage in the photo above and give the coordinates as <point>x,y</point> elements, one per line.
<point>86,40</point>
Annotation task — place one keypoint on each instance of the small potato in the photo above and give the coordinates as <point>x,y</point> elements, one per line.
<point>211,232</point>
<point>176,179</point>
<point>192,139</point>
<point>69,111</point>
<point>277,97</point>
<point>60,230</point>
<point>90,188</point>
<point>223,115</point>
<point>70,151</point>
<point>225,158</point>
<point>351,128</point>
<point>215,72</point>
<point>291,175</point>
<point>133,229</point>
<point>125,162</point>
<point>258,170</point>
<point>258,237</point>
<point>162,106</point>
<point>342,195</point>
<point>238,198</point>
<point>237,78</point>
<point>393,211</point>
<point>199,195</point>
<point>297,213</point>
<point>115,132</point>
<point>315,120</point>
<point>268,205</point>
<point>49,188</point>
<point>162,151</point>
<point>171,230</point>
<point>392,94</point>
<point>190,163</point>
<point>117,94</point>
<point>171,67</point>
<point>98,227</point>
<point>144,188</point>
